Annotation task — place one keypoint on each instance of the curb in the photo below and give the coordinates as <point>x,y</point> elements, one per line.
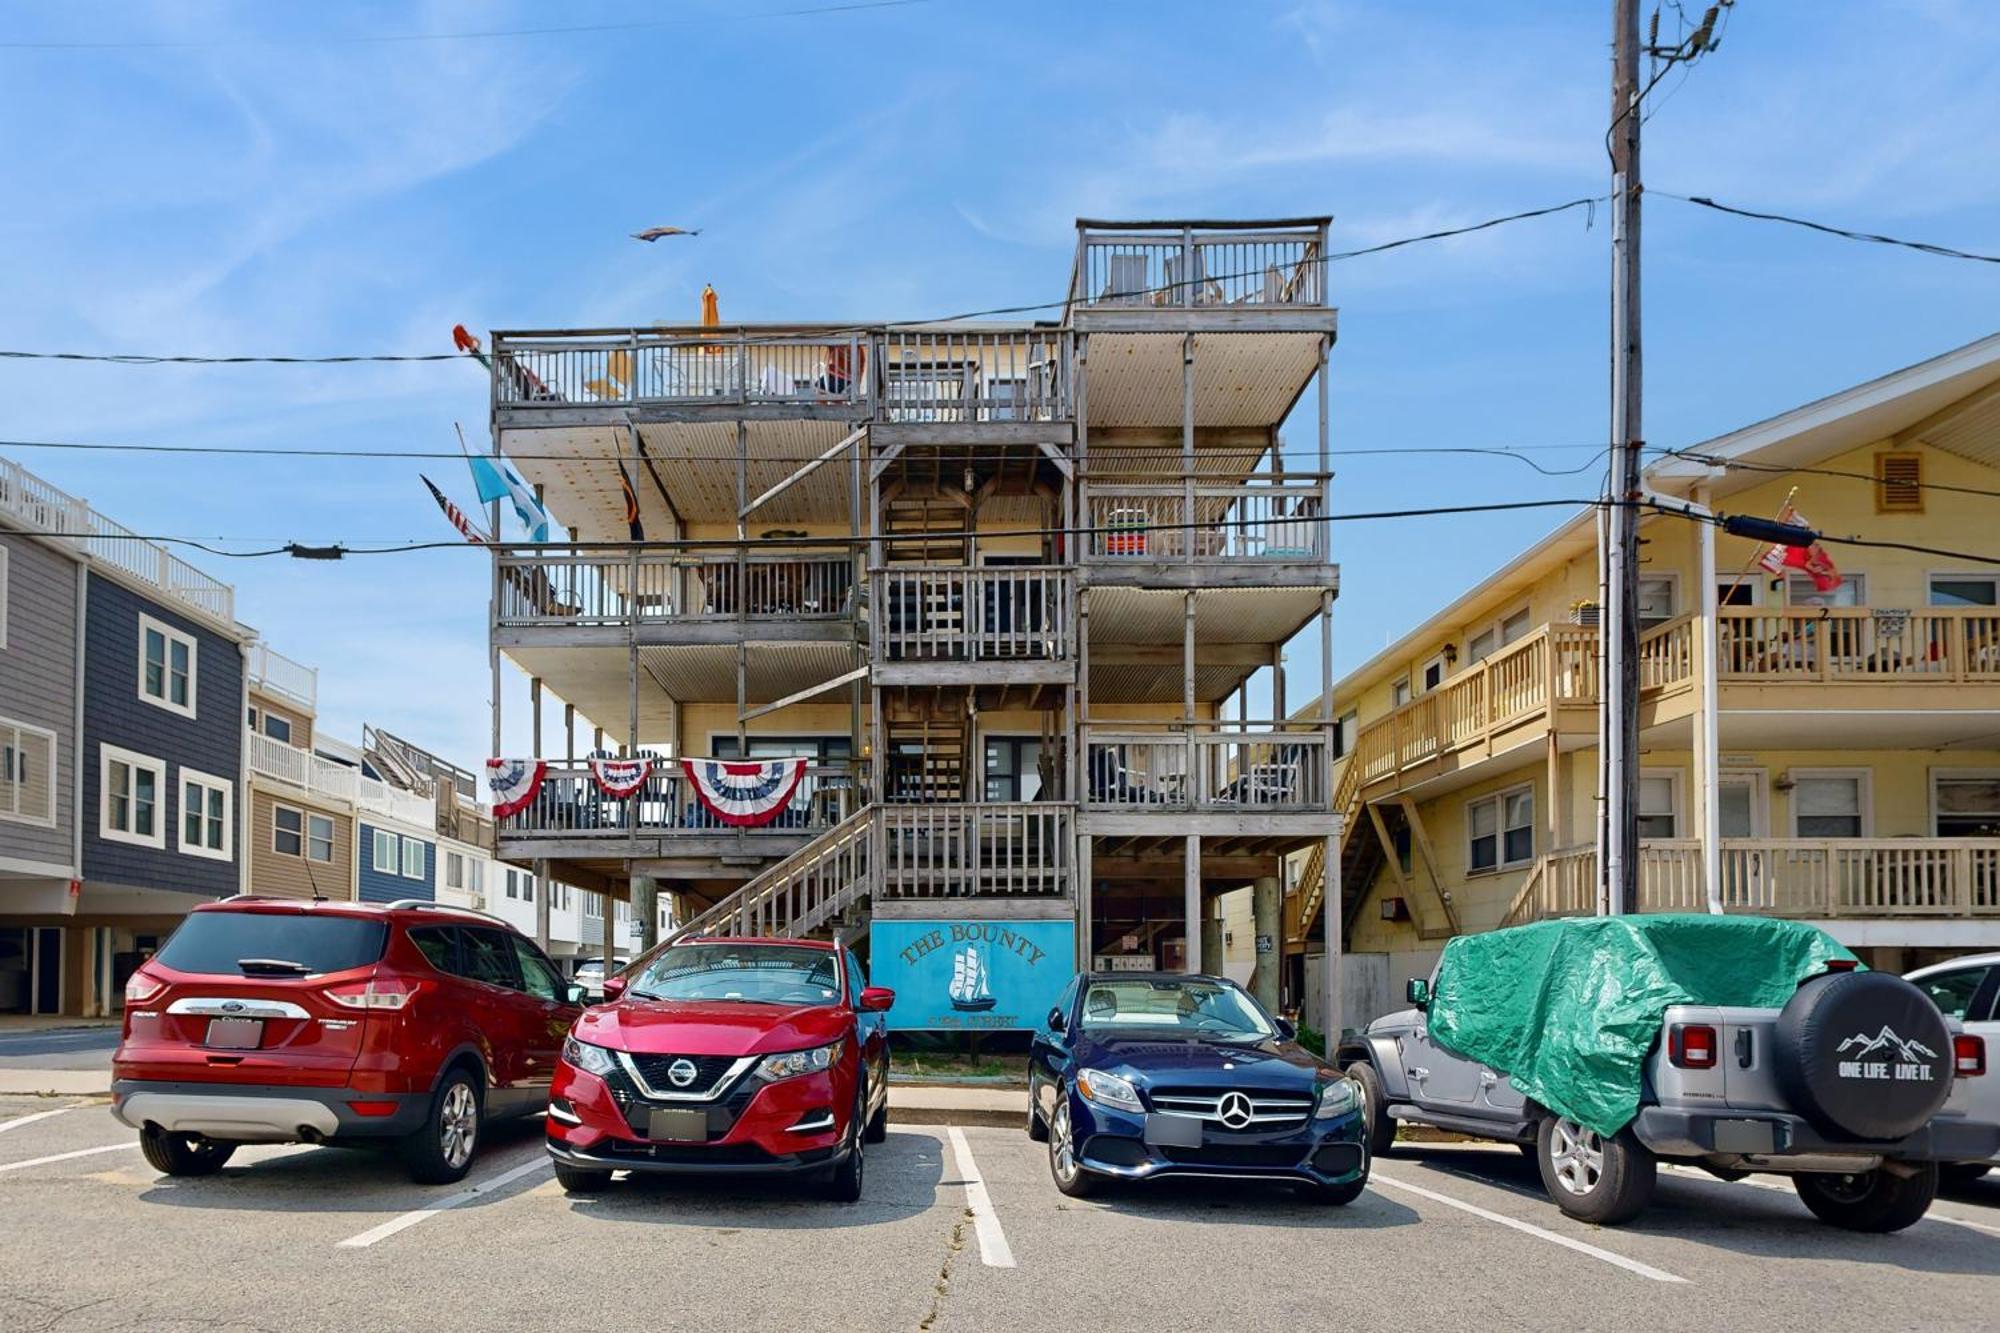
<point>938,1115</point>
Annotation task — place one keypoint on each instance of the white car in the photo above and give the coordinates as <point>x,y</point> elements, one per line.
<point>590,975</point>
<point>1968,989</point>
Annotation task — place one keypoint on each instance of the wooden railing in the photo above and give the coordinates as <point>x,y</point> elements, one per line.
<point>1667,654</point>
<point>571,805</point>
<point>1015,848</point>
<point>972,613</point>
<point>945,374</point>
<point>1563,883</point>
<point>582,585</point>
<point>697,367</point>
<point>1192,265</point>
<point>1210,766</point>
<point>801,892</point>
<point>1858,643</point>
<point>1262,520</point>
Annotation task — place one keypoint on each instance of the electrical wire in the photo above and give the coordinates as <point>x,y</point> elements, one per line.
<point>1778,469</point>
<point>1925,247</point>
<point>1719,519</point>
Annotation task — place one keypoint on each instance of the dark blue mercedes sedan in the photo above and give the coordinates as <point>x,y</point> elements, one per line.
<point>1142,1074</point>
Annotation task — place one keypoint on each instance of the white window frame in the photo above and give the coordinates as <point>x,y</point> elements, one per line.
<point>475,875</point>
<point>110,754</point>
<point>1498,799</point>
<point>1930,582</point>
<point>1419,683</point>
<point>1497,627</point>
<point>1949,774</point>
<point>1753,586</point>
<point>272,719</point>
<point>1399,693</point>
<point>1864,792</point>
<point>418,843</point>
<point>1858,582</point>
<point>194,777</point>
<point>4,589</point>
<point>277,831</point>
<point>14,746</point>
<point>1676,797</point>
<point>454,870</point>
<point>384,838</point>
<point>169,636</point>
<point>331,839</point>
<point>1759,782</point>
<point>1672,579</point>
<point>1347,730</point>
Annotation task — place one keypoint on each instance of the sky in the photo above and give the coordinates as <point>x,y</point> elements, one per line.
<point>231,178</point>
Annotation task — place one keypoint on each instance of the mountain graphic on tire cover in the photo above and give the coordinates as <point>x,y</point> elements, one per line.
<point>1860,1055</point>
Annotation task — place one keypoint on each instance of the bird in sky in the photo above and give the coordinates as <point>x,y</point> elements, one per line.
<point>655,233</point>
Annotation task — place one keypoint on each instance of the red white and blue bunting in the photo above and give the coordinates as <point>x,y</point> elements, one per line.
<point>620,778</point>
<point>514,783</point>
<point>745,794</point>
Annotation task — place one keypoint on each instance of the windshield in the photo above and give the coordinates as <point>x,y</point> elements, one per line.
<point>750,973</point>
<point>218,943</point>
<point>1194,1007</point>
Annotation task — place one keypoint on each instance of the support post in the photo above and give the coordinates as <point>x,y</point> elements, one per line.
<point>1191,903</point>
<point>608,930</point>
<point>542,904</point>
<point>1266,922</point>
<point>645,910</point>
<point>1212,955</point>
<point>1707,646</point>
<point>1330,919</point>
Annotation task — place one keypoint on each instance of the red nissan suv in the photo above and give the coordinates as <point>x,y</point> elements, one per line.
<point>265,1020</point>
<point>725,1055</point>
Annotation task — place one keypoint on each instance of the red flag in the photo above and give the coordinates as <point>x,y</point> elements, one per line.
<point>1812,559</point>
<point>454,514</point>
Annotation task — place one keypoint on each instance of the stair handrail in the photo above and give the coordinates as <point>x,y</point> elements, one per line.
<point>773,879</point>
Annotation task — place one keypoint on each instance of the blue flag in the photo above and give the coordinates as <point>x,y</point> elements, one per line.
<point>495,479</point>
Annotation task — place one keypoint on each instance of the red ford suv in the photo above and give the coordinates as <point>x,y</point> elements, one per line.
<point>266,1020</point>
<point>724,1055</point>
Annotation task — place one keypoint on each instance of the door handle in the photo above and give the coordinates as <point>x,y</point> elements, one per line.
<point>1418,1071</point>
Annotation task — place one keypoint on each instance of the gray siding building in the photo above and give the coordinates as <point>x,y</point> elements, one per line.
<point>38,709</point>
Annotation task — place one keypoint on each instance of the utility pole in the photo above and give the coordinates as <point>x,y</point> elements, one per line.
<point>1618,748</point>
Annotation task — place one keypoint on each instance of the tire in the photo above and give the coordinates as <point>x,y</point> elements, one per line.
<point>1038,1130</point>
<point>440,1152</point>
<point>843,1183</point>
<point>1374,1108</point>
<point>183,1154</point>
<point>1071,1177</point>
<point>1958,1175</point>
<point>1863,1055</point>
<point>581,1180</point>
<point>1591,1178</point>
<point>1873,1201</point>
<point>878,1125</point>
<point>1333,1196</point>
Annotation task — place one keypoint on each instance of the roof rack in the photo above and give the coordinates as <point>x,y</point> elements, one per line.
<point>427,905</point>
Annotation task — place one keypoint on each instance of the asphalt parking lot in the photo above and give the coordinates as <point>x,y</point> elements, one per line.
<point>959,1228</point>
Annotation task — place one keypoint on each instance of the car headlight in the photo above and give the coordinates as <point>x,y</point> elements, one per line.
<point>1109,1090</point>
<point>1337,1098</point>
<point>790,1064</point>
<point>590,1059</point>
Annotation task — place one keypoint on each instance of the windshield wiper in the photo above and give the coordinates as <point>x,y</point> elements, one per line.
<point>272,967</point>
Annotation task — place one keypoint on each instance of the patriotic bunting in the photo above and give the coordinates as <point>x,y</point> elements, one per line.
<point>620,778</point>
<point>514,783</point>
<point>745,795</point>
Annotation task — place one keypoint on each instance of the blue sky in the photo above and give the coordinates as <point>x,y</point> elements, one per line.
<point>261,183</point>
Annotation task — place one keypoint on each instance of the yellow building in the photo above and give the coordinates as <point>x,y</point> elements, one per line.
<point>1830,754</point>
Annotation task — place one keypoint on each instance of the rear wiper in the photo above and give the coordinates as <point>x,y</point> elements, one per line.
<point>273,966</point>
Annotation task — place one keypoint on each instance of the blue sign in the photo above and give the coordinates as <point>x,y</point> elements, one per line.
<point>968,976</point>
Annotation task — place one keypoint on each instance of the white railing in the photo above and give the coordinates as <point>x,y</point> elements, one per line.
<point>1190,265</point>
<point>1261,766</point>
<point>969,375</point>
<point>1016,848</point>
<point>571,805</point>
<point>733,367</point>
<point>277,674</point>
<point>972,613</point>
<point>305,770</point>
<point>43,508</point>
<point>1263,520</point>
<point>372,794</point>
<point>567,585</point>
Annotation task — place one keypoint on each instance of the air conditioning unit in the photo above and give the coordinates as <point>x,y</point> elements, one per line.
<point>1587,614</point>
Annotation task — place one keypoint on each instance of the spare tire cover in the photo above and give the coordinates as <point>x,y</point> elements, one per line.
<point>1863,1055</point>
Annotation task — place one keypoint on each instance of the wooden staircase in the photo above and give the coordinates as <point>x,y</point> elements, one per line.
<point>802,893</point>
<point>1362,856</point>
<point>927,759</point>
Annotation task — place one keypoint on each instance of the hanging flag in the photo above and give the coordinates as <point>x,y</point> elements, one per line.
<point>634,528</point>
<point>1812,559</point>
<point>527,386</point>
<point>620,778</point>
<point>495,478</point>
<point>746,795</point>
<point>514,783</point>
<point>454,515</point>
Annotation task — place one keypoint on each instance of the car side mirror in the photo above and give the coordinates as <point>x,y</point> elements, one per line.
<point>1417,990</point>
<point>613,988</point>
<point>574,993</point>
<point>876,999</point>
<point>1288,1029</point>
<point>1056,1021</point>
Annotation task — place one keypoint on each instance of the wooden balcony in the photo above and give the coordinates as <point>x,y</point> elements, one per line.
<point>1204,768</point>
<point>553,593</point>
<point>1018,849</point>
<point>1266,531</point>
<point>571,816</point>
<point>949,384</point>
<point>1819,879</point>
<point>1150,276</point>
<point>944,624</point>
<point>1859,644</point>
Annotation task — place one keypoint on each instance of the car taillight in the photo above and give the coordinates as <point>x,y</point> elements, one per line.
<point>1691,1045</point>
<point>1840,964</point>
<point>375,993</point>
<point>1968,1055</point>
<point>141,988</point>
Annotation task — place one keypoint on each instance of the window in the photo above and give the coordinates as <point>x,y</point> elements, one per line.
<point>278,728</point>
<point>384,856</point>
<point>527,887</point>
<point>1953,992</point>
<point>1739,592</point>
<point>593,907</point>
<point>826,749</point>
<point>166,666</point>
<point>27,773</point>
<point>206,815</point>
<point>1965,590</point>
<point>413,859</point>
<point>1496,636</point>
<point>454,870</point>
<point>1740,803</point>
<point>319,838</point>
<point>1801,591</point>
<point>438,945</point>
<point>1432,673</point>
<point>1399,693</point>
<point>475,875</point>
<point>1829,804</point>
<point>1013,768</point>
<point>1659,599</point>
<point>488,956</point>
<point>288,831</point>
<point>1966,805</point>
<point>1481,645</point>
<point>513,885</point>
<point>131,787</point>
<point>1659,804</point>
<point>538,976</point>
<point>1344,732</point>
<point>1501,829</point>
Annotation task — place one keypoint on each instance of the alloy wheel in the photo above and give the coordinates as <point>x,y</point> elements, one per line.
<point>1577,1154</point>
<point>1062,1148</point>
<point>458,1125</point>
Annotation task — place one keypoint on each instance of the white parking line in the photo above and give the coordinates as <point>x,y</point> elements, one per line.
<point>994,1251</point>
<point>416,1215</point>
<point>66,1156</point>
<point>1528,1229</point>
<point>21,1120</point>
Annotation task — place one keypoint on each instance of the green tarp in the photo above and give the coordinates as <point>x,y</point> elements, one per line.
<point>1570,1008</point>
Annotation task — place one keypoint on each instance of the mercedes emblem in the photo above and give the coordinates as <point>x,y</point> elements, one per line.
<point>1233,1110</point>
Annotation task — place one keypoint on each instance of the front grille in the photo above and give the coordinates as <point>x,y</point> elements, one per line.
<point>722,1115</point>
<point>707,1069</point>
<point>1267,1109</point>
<point>1269,1156</point>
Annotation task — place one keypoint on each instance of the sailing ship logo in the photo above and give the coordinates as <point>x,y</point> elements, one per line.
<point>968,990</point>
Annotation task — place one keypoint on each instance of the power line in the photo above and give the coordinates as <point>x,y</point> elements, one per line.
<point>1720,519</point>
<point>1926,247</point>
<point>142,359</point>
<point>1743,465</point>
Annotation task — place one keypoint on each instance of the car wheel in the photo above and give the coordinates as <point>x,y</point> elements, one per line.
<point>1374,1108</point>
<point>1071,1176</point>
<point>1957,1175</point>
<point>1334,1195</point>
<point>441,1151</point>
<point>581,1180</point>
<point>844,1185</point>
<point>183,1154</point>
<point>1592,1178</point>
<point>878,1124</point>
<point>1875,1200</point>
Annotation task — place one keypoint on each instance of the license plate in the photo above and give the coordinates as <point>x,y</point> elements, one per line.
<point>1752,1136</point>
<point>678,1126</point>
<point>1173,1131</point>
<point>235,1034</point>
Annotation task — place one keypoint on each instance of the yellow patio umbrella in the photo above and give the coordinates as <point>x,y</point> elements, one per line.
<point>711,314</point>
